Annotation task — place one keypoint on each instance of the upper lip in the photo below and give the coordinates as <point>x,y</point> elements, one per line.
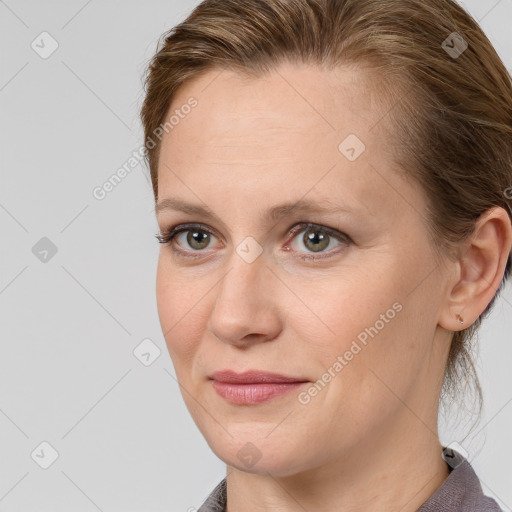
<point>251,377</point>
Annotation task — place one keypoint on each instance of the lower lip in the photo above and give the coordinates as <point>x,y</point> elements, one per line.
<point>248,394</point>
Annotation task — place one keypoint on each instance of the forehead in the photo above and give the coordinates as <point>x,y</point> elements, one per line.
<point>290,96</point>
<point>281,133</point>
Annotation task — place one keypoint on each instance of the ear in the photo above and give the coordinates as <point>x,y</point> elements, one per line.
<point>479,271</point>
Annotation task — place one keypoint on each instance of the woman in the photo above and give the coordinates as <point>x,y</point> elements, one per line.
<point>330,179</point>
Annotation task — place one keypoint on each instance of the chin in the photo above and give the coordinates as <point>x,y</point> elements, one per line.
<point>255,451</point>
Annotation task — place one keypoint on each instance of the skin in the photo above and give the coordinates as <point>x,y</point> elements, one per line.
<point>368,440</point>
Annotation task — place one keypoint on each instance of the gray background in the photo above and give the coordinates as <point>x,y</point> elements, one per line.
<point>70,325</point>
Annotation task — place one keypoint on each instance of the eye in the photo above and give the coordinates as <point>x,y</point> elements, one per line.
<point>316,239</point>
<point>197,237</point>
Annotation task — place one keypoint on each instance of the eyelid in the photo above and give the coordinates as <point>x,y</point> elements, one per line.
<point>172,231</point>
<point>302,226</point>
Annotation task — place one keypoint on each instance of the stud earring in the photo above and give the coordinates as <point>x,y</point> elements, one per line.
<point>460,319</point>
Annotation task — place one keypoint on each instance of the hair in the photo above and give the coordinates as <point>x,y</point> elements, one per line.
<point>450,114</point>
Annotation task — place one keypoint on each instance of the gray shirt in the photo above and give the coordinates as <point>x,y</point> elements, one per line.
<point>460,492</point>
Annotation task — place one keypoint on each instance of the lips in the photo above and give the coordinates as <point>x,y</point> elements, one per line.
<point>252,387</point>
<point>252,377</point>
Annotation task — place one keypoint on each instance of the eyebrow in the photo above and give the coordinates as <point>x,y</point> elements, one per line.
<point>273,214</point>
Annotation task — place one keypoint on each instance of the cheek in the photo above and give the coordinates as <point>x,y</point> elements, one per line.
<point>380,349</point>
<point>179,313</point>
<point>353,305</point>
<point>351,325</point>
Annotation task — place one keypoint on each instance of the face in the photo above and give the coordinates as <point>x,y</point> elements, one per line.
<point>343,295</point>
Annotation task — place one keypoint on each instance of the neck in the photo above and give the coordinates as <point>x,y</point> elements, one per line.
<point>399,470</point>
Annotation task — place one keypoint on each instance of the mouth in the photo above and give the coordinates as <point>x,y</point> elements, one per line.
<point>253,386</point>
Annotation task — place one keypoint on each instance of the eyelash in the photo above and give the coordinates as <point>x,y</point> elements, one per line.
<point>167,237</point>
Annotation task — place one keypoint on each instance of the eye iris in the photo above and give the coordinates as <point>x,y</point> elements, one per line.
<point>198,237</point>
<point>320,241</point>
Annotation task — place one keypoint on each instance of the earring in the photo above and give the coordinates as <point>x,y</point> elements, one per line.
<point>460,319</point>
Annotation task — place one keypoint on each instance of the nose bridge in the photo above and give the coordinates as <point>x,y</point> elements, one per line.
<point>243,302</point>
<point>246,270</point>
<point>240,289</point>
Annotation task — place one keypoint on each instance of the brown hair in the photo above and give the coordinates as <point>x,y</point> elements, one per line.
<point>450,106</point>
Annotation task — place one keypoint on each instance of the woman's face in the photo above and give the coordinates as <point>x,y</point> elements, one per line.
<point>243,292</point>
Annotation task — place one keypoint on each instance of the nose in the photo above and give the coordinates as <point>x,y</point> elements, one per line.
<point>246,309</point>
